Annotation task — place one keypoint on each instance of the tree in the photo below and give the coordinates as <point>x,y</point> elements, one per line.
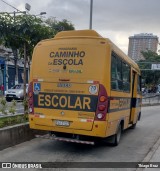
<point>22,33</point>
<point>151,56</point>
<point>151,77</point>
<point>64,25</point>
<point>20,29</point>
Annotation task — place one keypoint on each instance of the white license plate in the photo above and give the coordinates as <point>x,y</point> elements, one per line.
<point>62,123</point>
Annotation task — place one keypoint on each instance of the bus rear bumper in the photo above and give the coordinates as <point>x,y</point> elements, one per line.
<point>99,129</point>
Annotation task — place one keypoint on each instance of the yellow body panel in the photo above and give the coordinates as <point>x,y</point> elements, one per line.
<point>99,131</point>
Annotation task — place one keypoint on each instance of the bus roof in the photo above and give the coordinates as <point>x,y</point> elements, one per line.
<point>78,33</point>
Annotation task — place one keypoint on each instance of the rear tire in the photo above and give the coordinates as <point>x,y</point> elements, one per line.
<point>115,139</point>
<point>117,136</point>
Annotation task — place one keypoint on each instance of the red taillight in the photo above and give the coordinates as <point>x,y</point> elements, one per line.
<point>102,98</point>
<point>102,105</point>
<point>30,98</point>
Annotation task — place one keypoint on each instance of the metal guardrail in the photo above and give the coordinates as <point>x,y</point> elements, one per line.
<point>151,99</point>
<point>10,115</point>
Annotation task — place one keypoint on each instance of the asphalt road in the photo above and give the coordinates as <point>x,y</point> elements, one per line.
<point>134,146</point>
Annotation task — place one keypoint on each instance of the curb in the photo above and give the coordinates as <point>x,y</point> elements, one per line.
<point>150,153</point>
<point>13,135</point>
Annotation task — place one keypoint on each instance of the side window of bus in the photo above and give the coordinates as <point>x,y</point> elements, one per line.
<point>114,68</point>
<point>126,77</point>
<point>119,74</point>
<point>116,73</point>
<point>139,84</point>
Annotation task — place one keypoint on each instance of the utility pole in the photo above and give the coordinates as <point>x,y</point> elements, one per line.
<point>27,7</point>
<point>91,11</point>
<point>24,78</point>
<point>15,53</point>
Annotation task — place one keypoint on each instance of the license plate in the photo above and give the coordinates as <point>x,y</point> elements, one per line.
<point>62,123</point>
<point>64,85</point>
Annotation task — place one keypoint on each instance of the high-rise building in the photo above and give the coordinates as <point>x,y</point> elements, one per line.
<point>141,42</point>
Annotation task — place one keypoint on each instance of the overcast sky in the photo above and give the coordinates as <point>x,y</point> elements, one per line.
<point>114,19</point>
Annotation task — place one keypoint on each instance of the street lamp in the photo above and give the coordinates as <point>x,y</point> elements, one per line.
<point>27,7</point>
<point>40,14</point>
<point>43,13</point>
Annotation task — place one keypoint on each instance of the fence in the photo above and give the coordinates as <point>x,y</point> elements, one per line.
<point>151,99</point>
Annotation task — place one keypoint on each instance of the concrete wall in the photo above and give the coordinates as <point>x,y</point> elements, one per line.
<point>10,136</point>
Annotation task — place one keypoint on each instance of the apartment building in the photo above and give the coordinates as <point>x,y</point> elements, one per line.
<point>141,42</point>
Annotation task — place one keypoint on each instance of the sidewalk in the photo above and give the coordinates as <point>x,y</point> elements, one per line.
<point>155,158</point>
<point>152,156</point>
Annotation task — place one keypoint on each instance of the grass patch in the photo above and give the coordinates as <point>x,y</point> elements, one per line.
<point>13,120</point>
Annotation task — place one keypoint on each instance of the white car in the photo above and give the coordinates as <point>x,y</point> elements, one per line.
<point>16,92</point>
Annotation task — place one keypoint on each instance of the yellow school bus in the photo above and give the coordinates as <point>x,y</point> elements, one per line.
<point>83,88</point>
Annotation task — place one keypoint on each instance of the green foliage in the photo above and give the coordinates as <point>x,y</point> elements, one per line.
<point>13,120</point>
<point>3,106</point>
<point>25,104</point>
<point>150,77</point>
<point>151,56</point>
<point>19,29</point>
<point>12,108</point>
<point>15,31</point>
<point>57,26</point>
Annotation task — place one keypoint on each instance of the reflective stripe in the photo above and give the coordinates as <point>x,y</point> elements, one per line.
<point>64,139</point>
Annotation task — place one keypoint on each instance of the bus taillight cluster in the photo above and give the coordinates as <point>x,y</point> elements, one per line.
<point>30,96</point>
<point>102,106</point>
